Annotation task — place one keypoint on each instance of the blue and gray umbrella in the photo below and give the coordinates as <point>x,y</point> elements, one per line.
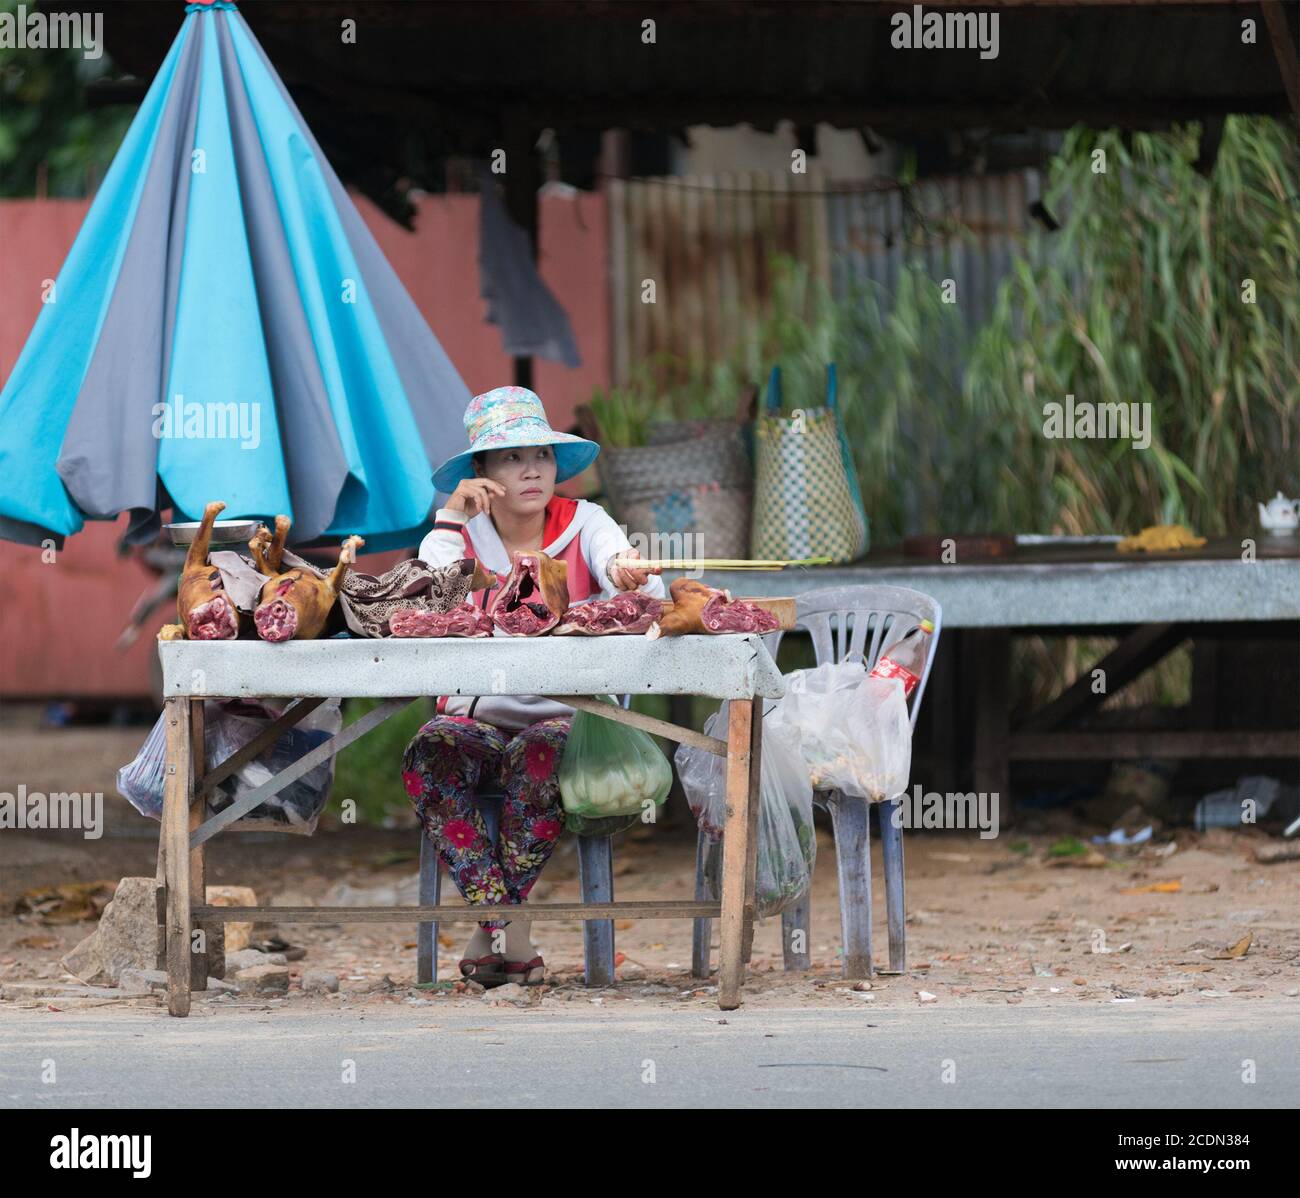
<point>225,327</point>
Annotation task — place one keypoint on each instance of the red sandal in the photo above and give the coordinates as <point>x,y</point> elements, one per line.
<point>518,971</point>
<point>487,971</point>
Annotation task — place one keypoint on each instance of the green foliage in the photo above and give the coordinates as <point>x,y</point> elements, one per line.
<point>1138,298</point>
<point>44,120</point>
<point>369,771</point>
<point>661,389</point>
<point>797,330</point>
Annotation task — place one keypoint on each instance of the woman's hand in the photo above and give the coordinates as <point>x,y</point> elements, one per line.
<point>627,578</point>
<point>474,495</point>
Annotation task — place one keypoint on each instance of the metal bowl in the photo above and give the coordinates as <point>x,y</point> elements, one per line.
<point>224,532</point>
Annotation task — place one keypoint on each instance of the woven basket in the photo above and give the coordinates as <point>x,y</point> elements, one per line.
<point>691,494</point>
<point>806,497</point>
<point>670,432</point>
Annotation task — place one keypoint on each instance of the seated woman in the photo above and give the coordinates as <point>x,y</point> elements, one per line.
<point>503,500</point>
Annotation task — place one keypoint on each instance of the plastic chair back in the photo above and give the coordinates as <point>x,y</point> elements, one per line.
<point>858,622</point>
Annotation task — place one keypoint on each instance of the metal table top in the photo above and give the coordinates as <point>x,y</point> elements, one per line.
<point>1047,588</point>
<point>719,667</point>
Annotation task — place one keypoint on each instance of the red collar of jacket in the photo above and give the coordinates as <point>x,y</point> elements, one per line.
<point>559,515</point>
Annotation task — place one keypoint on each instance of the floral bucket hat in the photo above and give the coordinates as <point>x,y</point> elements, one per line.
<point>510,418</point>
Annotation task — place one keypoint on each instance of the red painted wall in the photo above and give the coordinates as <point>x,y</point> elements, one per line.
<point>59,621</point>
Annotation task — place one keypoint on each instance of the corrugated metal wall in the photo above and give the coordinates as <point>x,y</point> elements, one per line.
<point>964,228</point>
<point>705,241</point>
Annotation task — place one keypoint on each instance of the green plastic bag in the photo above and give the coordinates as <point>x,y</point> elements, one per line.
<point>609,770</point>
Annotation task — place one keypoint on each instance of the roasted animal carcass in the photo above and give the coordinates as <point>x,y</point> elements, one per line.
<point>294,604</point>
<point>703,609</point>
<point>534,597</point>
<point>206,612</point>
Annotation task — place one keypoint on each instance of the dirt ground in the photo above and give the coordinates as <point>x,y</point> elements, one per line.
<point>988,921</point>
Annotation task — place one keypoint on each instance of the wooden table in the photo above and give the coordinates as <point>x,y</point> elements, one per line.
<point>1227,589</point>
<point>573,669</point>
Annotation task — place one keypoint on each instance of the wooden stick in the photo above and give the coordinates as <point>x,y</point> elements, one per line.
<point>178,787</point>
<point>263,740</point>
<point>735,854</point>
<point>305,764</point>
<point>716,563</point>
<point>466,913</point>
<point>647,723</point>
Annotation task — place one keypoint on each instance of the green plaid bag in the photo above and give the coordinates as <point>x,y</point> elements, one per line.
<point>806,497</point>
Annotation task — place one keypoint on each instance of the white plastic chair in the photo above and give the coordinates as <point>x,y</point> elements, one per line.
<point>848,623</point>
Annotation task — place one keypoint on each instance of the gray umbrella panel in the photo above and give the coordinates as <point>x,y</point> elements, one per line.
<point>434,389</point>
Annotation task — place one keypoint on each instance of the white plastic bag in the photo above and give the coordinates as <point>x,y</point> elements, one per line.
<point>298,806</point>
<point>853,731</point>
<point>787,843</point>
<point>878,736</point>
<point>228,727</point>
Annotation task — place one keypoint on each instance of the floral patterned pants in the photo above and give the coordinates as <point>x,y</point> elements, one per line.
<point>445,763</point>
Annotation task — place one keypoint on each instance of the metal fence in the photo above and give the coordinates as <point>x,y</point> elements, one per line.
<point>964,228</point>
<point>704,242</point>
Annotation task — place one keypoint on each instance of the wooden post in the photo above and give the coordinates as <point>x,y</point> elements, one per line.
<point>178,789</point>
<point>735,854</point>
<point>751,856</point>
<point>211,962</point>
<point>1284,50</point>
<point>990,666</point>
<point>523,177</point>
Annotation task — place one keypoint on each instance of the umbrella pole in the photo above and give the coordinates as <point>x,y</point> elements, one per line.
<point>522,180</point>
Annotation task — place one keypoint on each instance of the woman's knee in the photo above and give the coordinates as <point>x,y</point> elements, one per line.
<point>449,749</point>
<point>531,762</point>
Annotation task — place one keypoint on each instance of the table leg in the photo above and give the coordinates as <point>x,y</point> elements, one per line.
<point>199,961</point>
<point>735,855</point>
<point>160,899</point>
<point>990,660</point>
<point>751,858</point>
<point>178,789</point>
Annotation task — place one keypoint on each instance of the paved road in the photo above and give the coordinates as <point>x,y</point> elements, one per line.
<point>1104,1056</point>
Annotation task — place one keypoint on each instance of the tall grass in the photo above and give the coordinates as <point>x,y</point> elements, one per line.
<point>1140,297</point>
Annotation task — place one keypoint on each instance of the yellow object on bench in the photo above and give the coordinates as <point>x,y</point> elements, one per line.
<point>1159,538</point>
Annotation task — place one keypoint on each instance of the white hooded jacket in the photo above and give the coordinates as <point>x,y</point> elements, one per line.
<point>601,539</point>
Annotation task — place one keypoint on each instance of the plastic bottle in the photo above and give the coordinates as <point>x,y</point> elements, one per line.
<point>905,657</point>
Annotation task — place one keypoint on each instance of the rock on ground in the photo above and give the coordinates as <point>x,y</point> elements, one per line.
<point>126,938</point>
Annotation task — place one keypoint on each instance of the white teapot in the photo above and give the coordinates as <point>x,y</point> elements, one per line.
<point>1280,515</point>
